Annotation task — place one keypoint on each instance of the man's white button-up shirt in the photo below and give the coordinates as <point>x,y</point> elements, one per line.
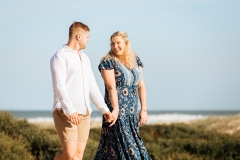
<point>74,83</point>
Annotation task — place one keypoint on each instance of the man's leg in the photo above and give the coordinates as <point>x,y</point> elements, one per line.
<point>73,138</point>
<point>69,151</point>
<point>83,132</point>
<point>68,135</point>
<point>80,149</point>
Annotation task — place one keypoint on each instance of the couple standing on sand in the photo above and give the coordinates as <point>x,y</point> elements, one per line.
<point>74,85</point>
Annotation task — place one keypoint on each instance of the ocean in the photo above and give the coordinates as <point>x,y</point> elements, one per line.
<point>153,116</point>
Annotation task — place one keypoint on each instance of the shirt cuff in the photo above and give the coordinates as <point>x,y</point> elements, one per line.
<point>71,111</point>
<point>105,110</point>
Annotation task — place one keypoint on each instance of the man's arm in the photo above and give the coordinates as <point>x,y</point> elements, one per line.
<point>95,93</point>
<point>58,71</point>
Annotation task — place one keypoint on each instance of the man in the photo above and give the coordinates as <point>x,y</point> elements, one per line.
<point>73,85</point>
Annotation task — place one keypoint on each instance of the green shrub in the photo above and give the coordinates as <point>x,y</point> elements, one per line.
<point>24,141</point>
<point>16,149</point>
<point>43,144</point>
<point>168,140</point>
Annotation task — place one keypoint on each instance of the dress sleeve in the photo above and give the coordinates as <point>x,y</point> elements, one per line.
<point>139,62</point>
<point>106,64</point>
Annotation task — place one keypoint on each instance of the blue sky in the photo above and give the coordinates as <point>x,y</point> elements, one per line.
<point>191,49</point>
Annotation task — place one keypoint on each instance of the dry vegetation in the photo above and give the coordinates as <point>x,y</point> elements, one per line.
<point>198,140</point>
<point>228,124</point>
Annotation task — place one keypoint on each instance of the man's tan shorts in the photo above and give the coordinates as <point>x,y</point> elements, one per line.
<point>69,132</point>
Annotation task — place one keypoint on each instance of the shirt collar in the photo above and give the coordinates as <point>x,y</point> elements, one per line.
<point>68,49</point>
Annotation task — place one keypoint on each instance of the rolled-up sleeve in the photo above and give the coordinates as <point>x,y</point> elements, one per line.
<point>58,71</point>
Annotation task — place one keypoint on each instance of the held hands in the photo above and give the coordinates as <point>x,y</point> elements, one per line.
<point>143,117</point>
<point>108,117</point>
<point>111,117</point>
<point>75,118</point>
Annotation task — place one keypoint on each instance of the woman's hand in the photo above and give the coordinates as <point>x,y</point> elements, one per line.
<point>143,117</point>
<point>109,80</point>
<point>114,116</point>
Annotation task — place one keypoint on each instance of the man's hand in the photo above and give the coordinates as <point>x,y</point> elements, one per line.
<point>108,117</point>
<point>111,117</point>
<point>75,118</point>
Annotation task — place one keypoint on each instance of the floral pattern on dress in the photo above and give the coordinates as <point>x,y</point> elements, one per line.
<point>122,141</point>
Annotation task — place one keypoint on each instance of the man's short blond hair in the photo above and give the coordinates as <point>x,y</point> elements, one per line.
<point>75,27</point>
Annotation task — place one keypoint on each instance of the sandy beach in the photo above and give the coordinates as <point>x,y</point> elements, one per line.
<point>226,124</point>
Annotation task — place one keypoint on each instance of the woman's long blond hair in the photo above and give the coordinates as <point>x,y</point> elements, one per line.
<point>129,55</point>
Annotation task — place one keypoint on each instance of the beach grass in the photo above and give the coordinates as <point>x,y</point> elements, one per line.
<point>226,124</point>
<point>199,140</point>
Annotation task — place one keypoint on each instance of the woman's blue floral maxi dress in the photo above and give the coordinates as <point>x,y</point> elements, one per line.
<point>122,141</point>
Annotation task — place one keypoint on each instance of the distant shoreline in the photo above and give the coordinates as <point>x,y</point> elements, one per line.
<point>203,112</point>
<point>154,117</point>
<point>226,124</point>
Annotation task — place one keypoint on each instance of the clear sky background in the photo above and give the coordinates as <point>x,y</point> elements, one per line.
<point>190,48</point>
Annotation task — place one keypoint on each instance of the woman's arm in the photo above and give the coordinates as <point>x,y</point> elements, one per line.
<point>109,80</point>
<point>143,117</point>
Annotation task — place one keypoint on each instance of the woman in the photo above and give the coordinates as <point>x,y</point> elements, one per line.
<point>121,71</point>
